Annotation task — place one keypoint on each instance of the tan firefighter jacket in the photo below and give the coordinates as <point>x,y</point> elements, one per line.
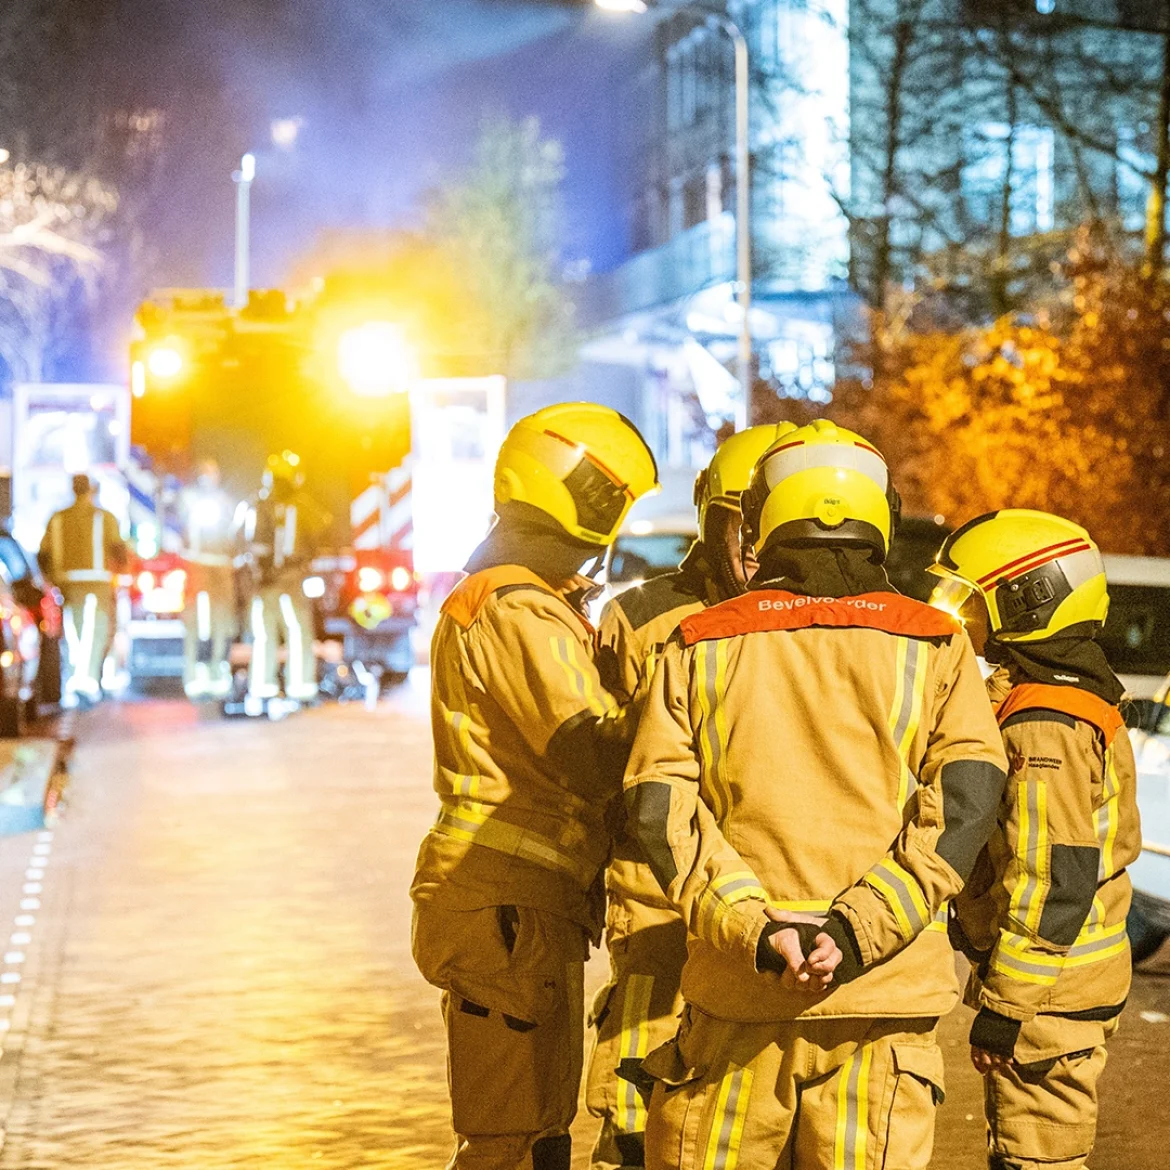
<point>1050,894</point>
<point>849,759</point>
<point>634,628</point>
<point>528,753</point>
<point>81,546</point>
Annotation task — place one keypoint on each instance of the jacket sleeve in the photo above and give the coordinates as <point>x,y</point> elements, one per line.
<point>1054,857</point>
<point>961,772</point>
<point>116,551</point>
<point>534,658</point>
<point>719,896</point>
<point>45,553</point>
<point>617,656</point>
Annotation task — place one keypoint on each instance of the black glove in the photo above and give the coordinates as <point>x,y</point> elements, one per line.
<point>994,1033</point>
<point>770,959</point>
<point>959,940</point>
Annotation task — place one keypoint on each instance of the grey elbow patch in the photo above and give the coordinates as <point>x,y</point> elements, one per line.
<point>971,791</point>
<point>648,810</point>
<point>1073,872</point>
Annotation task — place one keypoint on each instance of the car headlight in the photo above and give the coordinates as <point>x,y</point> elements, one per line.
<point>314,587</point>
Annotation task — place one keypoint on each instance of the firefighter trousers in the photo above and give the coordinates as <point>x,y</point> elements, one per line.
<point>282,607</point>
<point>816,1094</point>
<point>209,624</point>
<point>87,614</point>
<point>514,1009</point>
<point>1043,1113</point>
<point>636,1012</point>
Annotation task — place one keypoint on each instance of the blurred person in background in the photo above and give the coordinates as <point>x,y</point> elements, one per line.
<point>81,553</point>
<point>645,935</point>
<point>529,751</point>
<point>209,520</point>
<point>282,531</point>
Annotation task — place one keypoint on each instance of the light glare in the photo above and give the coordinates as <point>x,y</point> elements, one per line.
<point>375,360</point>
<point>164,362</point>
<point>622,5</point>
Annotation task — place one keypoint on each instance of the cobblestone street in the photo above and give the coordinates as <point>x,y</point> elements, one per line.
<point>209,960</point>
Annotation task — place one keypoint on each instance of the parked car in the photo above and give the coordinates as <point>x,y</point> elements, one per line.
<point>1136,638</point>
<point>647,549</point>
<point>38,632</point>
<point>1149,916</point>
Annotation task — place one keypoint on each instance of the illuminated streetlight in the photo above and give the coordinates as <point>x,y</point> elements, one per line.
<point>243,180</point>
<point>376,360</point>
<point>743,180</point>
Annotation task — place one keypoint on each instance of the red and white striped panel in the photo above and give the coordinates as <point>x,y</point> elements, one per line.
<point>382,516</point>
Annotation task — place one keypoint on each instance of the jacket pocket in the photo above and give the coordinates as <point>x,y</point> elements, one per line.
<point>925,1064</point>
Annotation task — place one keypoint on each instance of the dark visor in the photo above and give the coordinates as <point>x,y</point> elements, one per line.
<point>600,502</point>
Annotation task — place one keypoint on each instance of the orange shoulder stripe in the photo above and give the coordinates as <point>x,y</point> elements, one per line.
<point>468,597</point>
<point>775,609</point>
<point>1067,700</point>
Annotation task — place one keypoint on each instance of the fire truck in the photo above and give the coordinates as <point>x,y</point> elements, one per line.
<point>401,464</point>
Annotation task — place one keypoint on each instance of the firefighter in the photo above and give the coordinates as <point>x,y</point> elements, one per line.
<point>645,936</point>
<point>529,751</point>
<point>208,519</point>
<point>282,531</point>
<point>81,553</point>
<point>1043,919</point>
<point>815,771</point>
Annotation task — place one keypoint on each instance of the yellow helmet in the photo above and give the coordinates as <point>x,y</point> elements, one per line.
<point>726,477</point>
<point>284,465</point>
<point>1038,573</point>
<point>582,464</point>
<point>820,483</point>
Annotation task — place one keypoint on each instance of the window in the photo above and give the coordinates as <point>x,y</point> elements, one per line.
<point>1032,177</point>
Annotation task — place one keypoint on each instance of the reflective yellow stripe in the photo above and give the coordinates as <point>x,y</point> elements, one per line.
<point>630,1114</point>
<point>906,708</point>
<point>1032,880</point>
<point>738,885</point>
<point>711,667</point>
<point>849,1147</point>
<point>939,921</point>
<point>467,820</point>
<point>901,891</point>
<point>564,652</point>
<point>726,1133</point>
<point>1094,945</point>
<point>811,906</point>
<point>459,720</point>
<point>1107,818</point>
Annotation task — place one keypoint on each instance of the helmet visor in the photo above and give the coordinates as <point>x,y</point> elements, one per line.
<point>951,595</point>
<point>601,501</point>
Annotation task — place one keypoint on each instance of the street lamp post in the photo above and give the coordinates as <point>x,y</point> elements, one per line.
<point>743,185</point>
<point>243,180</point>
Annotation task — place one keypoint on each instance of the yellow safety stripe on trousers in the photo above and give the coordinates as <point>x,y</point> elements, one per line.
<point>727,1121</point>
<point>1107,816</point>
<point>849,1147</point>
<point>906,709</point>
<point>903,894</point>
<point>468,820</point>
<point>564,652</point>
<point>711,667</point>
<point>630,1113</point>
<point>1032,881</point>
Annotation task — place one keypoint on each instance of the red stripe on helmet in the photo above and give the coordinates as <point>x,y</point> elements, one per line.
<point>1035,559</point>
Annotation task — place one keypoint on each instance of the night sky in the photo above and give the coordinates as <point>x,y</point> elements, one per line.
<point>391,92</point>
